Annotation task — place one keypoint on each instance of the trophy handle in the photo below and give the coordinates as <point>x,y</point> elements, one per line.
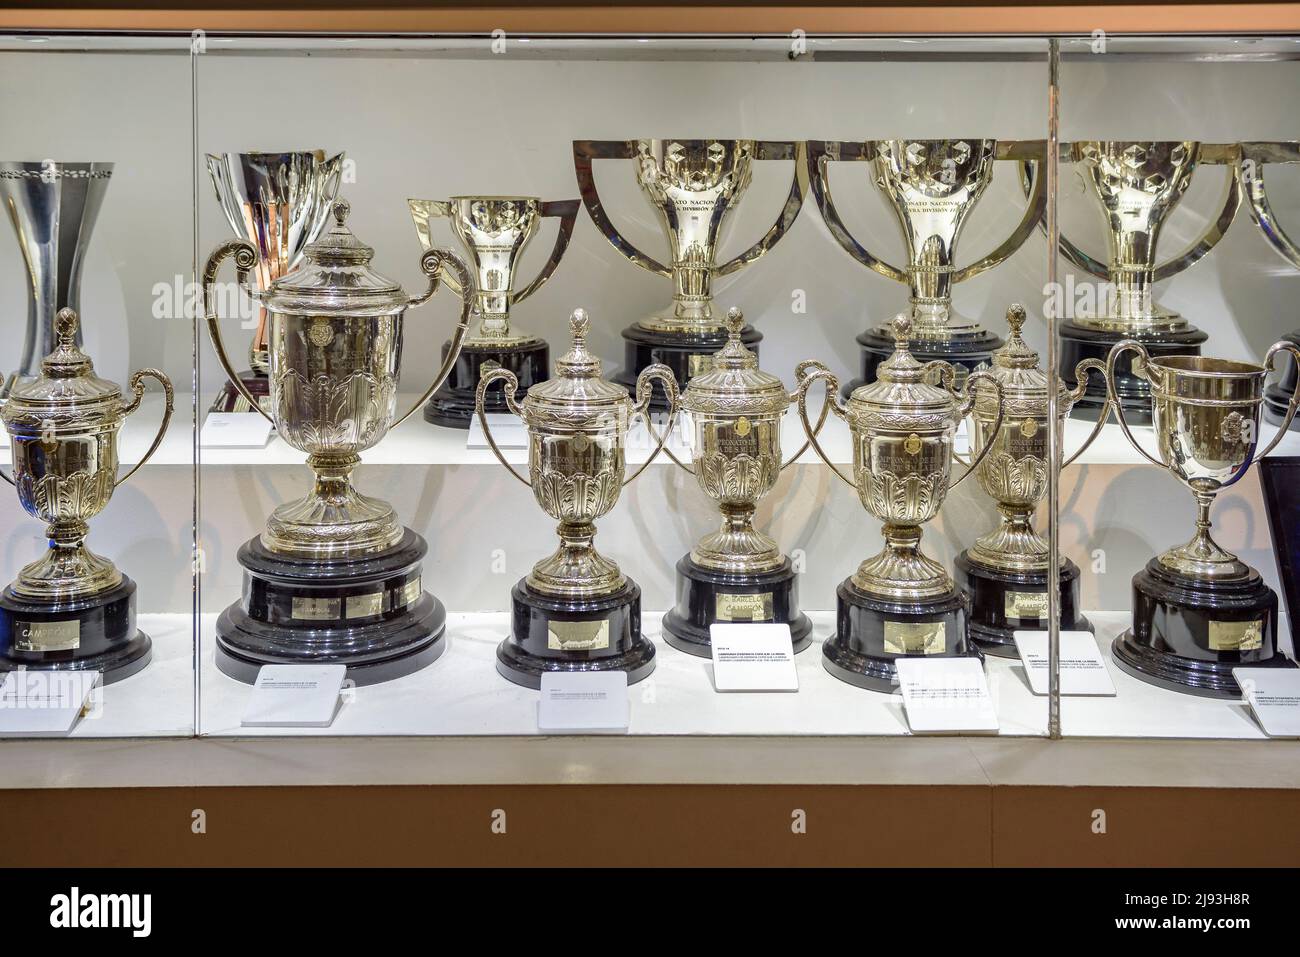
<point>1030,182</point>
<point>810,371</point>
<point>1217,229</point>
<point>423,210</point>
<point>436,264</point>
<point>967,403</point>
<point>821,419</point>
<point>644,389</point>
<point>584,151</point>
<point>1080,386</point>
<point>774,150</point>
<point>818,154</point>
<point>137,388</point>
<point>1252,184</point>
<point>566,211</point>
<point>1033,211</point>
<point>1116,351</point>
<point>511,387</point>
<point>1282,429</point>
<point>245,259</point>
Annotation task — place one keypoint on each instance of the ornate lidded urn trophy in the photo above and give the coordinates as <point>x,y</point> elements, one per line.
<point>494,231</point>
<point>932,186</point>
<point>53,207</point>
<point>1004,574</point>
<point>278,202</point>
<point>1198,610</point>
<point>1254,156</point>
<point>693,185</point>
<point>899,603</point>
<point>576,611</point>
<point>1138,185</point>
<point>737,574</point>
<point>334,578</point>
<point>71,610</point>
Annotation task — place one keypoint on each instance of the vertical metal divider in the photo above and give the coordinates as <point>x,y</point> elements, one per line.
<point>1052,161</point>
<point>196,556</point>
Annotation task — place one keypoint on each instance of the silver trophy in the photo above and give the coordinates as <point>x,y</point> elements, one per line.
<point>53,207</point>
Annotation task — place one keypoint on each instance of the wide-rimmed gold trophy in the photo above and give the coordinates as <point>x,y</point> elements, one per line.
<point>334,578</point>
<point>494,230</point>
<point>1198,610</point>
<point>1005,573</point>
<point>693,185</point>
<point>900,602</point>
<point>932,186</point>
<point>576,610</point>
<point>71,609</point>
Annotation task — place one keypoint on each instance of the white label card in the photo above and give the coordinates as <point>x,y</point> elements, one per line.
<point>1083,672</point>
<point>507,431</point>
<point>946,694</point>
<point>753,657</point>
<point>235,430</point>
<point>1274,696</point>
<point>295,696</point>
<point>48,703</point>
<point>583,701</point>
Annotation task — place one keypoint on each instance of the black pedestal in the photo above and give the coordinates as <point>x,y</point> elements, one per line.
<point>553,634</point>
<point>370,614</point>
<point>687,355</point>
<point>1080,342</point>
<point>705,596</point>
<point>871,634</point>
<point>1278,395</point>
<point>1002,603</point>
<point>90,634</point>
<point>229,399</point>
<point>1188,635</point>
<point>965,352</point>
<point>453,404</point>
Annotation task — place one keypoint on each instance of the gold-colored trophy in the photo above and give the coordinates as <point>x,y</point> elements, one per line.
<point>71,610</point>
<point>334,578</point>
<point>899,603</point>
<point>1198,610</point>
<point>693,186</point>
<point>493,231</point>
<point>736,574</point>
<point>576,611</point>
<point>1004,574</point>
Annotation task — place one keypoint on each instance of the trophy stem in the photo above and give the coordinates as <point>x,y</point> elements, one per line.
<point>900,571</point>
<point>737,546</point>
<point>1014,545</point>
<point>68,569</point>
<point>1202,558</point>
<point>332,521</point>
<point>693,288</point>
<point>576,569</point>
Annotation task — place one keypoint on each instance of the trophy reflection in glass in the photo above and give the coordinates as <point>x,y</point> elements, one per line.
<point>931,186</point>
<point>693,186</point>
<point>280,203</point>
<point>493,231</point>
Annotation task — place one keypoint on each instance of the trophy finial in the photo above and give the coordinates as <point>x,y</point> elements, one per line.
<point>65,327</point>
<point>579,323</point>
<point>902,326</point>
<point>341,210</point>
<point>735,323</point>
<point>1016,318</point>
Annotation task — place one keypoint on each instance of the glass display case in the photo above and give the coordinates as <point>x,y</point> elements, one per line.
<point>866,289</point>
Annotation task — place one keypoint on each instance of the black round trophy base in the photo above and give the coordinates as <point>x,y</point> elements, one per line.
<point>230,399</point>
<point>966,352</point>
<point>97,633</point>
<point>871,634</point>
<point>1188,635</point>
<point>1278,395</point>
<point>556,634</point>
<point>1002,603</point>
<point>706,596</point>
<point>453,405</point>
<point>686,354</point>
<point>370,614</point>
<point>1134,393</point>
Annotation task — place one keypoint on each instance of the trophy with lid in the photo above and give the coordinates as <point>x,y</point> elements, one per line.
<point>931,186</point>
<point>494,231</point>
<point>899,603</point>
<point>1138,185</point>
<point>736,574</point>
<point>576,611</point>
<point>693,186</point>
<point>334,578</point>
<point>1198,610</point>
<point>72,610</point>
<point>1004,574</point>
